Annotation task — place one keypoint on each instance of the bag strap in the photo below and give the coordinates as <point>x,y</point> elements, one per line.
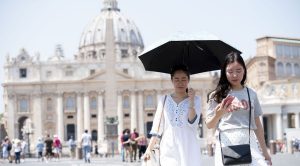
<point>162,113</point>
<point>249,112</point>
<point>249,119</point>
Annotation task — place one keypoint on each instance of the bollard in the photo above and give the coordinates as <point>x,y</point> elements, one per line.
<point>272,147</point>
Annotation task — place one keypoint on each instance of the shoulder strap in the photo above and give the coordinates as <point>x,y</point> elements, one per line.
<point>249,112</point>
<point>162,113</point>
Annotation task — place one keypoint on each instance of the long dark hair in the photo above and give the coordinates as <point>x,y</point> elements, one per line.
<point>223,86</point>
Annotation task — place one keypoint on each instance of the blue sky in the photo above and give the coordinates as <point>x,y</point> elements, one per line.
<point>39,25</point>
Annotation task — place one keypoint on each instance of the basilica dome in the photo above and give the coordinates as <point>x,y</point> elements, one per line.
<point>125,33</point>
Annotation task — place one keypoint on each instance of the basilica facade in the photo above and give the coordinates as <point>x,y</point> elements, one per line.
<point>104,89</point>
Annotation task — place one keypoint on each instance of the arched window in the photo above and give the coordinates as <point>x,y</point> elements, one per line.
<point>88,38</point>
<point>280,69</point>
<point>262,67</point>
<point>70,103</point>
<point>93,103</point>
<point>98,35</point>
<point>126,102</point>
<point>288,69</point>
<point>24,105</point>
<point>123,35</point>
<point>49,104</point>
<point>279,50</point>
<point>297,69</point>
<point>149,101</point>
<point>133,37</point>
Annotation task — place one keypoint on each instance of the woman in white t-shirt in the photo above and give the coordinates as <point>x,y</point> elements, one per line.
<point>178,125</point>
<point>228,112</point>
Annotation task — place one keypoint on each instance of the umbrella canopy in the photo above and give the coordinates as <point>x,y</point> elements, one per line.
<point>198,55</point>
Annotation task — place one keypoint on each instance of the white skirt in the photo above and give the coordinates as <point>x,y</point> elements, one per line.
<point>240,136</point>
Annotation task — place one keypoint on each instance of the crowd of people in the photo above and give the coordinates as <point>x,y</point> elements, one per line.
<point>13,150</point>
<point>133,144</point>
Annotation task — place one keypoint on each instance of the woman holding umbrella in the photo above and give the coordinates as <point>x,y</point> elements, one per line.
<point>175,122</point>
<point>235,111</point>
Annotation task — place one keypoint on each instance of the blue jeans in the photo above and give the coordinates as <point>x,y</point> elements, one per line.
<point>123,153</point>
<point>86,149</point>
<point>17,157</point>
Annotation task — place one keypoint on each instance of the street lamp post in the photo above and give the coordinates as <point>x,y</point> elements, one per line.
<point>112,131</point>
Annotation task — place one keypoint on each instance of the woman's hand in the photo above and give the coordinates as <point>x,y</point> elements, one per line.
<point>220,110</point>
<point>147,154</point>
<point>224,106</point>
<point>268,159</point>
<point>191,94</point>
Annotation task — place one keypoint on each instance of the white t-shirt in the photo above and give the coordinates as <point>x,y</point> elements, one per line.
<point>239,118</point>
<point>86,139</point>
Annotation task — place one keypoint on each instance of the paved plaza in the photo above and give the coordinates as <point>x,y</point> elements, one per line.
<point>279,159</point>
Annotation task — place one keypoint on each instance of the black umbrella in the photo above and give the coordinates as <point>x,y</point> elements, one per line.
<point>198,55</point>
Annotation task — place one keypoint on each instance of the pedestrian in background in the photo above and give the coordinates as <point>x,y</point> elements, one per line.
<point>142,144</point>
<point>4,146</point>
<point>24,150</point>
<point>122,145</point>
<point>72,147</point>
<point>40,148</point>
<point>134,144</point>
<point>6,149</point>
<point>127,145</point>
<point>57,146</point>
<point>17,150</point>
<point>86,143</point>
<point>48,142</point>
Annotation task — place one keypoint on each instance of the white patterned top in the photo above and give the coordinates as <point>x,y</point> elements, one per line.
<point>179,144</point>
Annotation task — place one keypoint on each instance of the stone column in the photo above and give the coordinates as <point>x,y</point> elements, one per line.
<point>133,112</point>
<point>86,112</point>
<point>37,118</point>
<point>11,110</point>
<point>79,117</point>
<point>100,117</point>
<point>284,120</point>
<point>120,117</point>
<point>297,123</point>
<point>278,126</point>
<point>141,113</point>
<point>60,116</point>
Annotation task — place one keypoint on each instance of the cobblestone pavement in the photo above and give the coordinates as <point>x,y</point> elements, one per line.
<point>278,160</point>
